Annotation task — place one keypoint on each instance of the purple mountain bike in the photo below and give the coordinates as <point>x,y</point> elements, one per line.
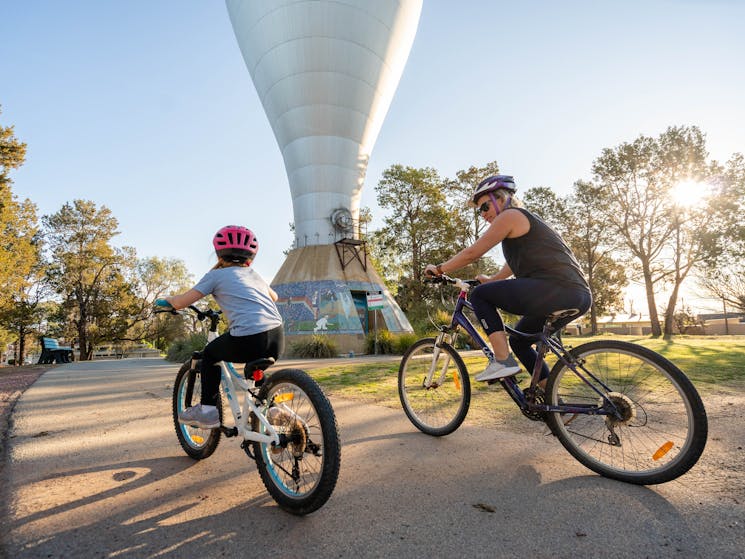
<point>620,409</point>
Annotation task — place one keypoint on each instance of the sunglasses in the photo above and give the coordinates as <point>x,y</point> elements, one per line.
<point>483,208</point>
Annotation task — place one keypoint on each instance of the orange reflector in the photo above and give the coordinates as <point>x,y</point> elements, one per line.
<point>197,439</point>
<point>286,397</point>
<point>664,449</point>
<point>456,379</point>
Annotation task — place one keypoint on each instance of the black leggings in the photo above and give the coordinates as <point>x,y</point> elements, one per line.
<point>532,298</point>
<point>236,349</point>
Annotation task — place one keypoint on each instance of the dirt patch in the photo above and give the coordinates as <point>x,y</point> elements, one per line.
<point>13,382</point>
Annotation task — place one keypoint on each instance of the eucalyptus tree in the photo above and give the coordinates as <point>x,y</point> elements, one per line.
<point>577,219</point>
<point>89,274</point>
<point>665,237</point>
<point>418,228</point>
<point>723,277</point>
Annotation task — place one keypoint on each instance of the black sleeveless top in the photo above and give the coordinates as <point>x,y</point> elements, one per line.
<point>542,253</point>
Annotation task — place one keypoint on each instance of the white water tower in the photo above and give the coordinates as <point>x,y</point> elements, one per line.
<point>326,72</point>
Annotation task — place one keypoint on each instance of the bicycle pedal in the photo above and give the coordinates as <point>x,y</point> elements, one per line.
<point>229,431</point>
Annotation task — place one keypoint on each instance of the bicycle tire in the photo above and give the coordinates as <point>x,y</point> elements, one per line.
<point>440,409</point>
<point>663,430</point>
<point>197,443</point>
<point>301,474</point>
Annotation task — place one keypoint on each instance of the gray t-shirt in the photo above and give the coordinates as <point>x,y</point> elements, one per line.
<point>243,296</point>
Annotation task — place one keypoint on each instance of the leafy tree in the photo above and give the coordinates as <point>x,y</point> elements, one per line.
<point>20,242</point>
<point>550,207</point>
<point>638,179</point>
<point>159,277</point>
<point>12,155</point>
<point>462,190</point>
<point>418,229</point>
<point>594,244</point>
<point>723,277</point>
<point>576,219</point>
<point>18,223</point>
<point>90,274</point>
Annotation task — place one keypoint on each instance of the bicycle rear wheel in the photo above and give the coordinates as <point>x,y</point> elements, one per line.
<point>662,429</point>
<point>438,406</point>
<point>197,443</point>
<point>300,473</point>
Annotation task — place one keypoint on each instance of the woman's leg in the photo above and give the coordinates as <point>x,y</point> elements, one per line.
<point>524,349</point>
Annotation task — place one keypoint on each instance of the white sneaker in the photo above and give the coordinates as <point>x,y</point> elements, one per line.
<point>499,369</point>
<point>204,417</point>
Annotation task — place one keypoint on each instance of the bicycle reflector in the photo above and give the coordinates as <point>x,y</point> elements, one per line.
<point>664,449</point>
<point>285,397</point>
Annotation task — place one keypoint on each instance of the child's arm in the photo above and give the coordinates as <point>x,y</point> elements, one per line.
<point>184,299</point>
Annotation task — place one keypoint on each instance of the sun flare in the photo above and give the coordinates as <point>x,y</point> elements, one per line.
<point>688,192</point>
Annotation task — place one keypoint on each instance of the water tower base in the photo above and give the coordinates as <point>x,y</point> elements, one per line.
<point>321,292</point>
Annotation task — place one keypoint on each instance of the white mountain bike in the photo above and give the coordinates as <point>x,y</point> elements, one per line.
<point>285,423</point>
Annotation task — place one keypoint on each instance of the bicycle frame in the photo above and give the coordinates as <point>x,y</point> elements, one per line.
<point>545,342</point>
<point>232,382</point>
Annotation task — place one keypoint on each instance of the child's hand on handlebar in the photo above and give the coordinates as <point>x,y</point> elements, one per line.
<point>163,305</point>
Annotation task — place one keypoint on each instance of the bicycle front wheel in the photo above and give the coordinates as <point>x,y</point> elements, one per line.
<point>301,472</point>
<point>660,429</point>
<point>434,387</point>
<point>197,443</point>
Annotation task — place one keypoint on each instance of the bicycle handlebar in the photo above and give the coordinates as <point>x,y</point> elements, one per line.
<point>201,314</point>
<point>463,285</point>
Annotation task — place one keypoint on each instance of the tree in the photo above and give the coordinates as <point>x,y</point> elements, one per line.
<point>575,218</point>
<point>12,155</point>
<point>418,220</point>
<point>155,278</point>
<point>89,274</point>
<point>638,179</point>
<point>462,189</point>
<point>18,223</point>
<point>594,244</point>
<point>20,243</point>
<point>723,277</point>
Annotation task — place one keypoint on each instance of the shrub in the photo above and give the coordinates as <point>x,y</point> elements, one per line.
<point>317,346</point>
<point>386,343</point>
<point>404,341</point>
<point>180,350</point>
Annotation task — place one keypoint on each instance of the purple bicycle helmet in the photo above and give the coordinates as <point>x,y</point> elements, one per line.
<point>492,184</point>
<point>235,243</point>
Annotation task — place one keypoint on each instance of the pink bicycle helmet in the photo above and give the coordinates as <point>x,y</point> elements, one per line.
<point>235,243</point>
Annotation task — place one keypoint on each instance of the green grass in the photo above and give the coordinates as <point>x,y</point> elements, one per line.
<point>711,362</point>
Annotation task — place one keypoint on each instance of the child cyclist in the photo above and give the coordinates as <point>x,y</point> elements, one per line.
<point>255,325</point>
<point>546,276</point>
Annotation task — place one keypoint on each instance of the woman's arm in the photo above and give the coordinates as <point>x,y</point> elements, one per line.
<point>502,274</point>
<point>510,224</point>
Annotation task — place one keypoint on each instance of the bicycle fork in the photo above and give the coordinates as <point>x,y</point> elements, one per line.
<point>442,337</point>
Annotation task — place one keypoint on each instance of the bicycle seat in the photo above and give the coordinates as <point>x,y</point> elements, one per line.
<point>556,315</point>
<point>560,318</point>
<point>259,364</point>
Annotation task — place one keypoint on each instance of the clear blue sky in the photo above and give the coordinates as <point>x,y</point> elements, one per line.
<point>146,107</point>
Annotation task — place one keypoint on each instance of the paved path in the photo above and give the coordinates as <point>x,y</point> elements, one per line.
<point>94,470</point>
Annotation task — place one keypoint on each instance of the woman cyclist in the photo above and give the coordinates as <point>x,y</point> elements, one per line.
<point>255,325</point>
<point>547,277</point>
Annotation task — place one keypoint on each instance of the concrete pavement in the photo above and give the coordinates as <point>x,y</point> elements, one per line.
<point>94,470</point>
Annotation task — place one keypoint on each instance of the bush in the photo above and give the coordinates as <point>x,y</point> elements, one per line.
<point>385,343</point>
<point>180,350</point>
<point>390,344</point>
<point>318,346</point>
<point>404,342</point>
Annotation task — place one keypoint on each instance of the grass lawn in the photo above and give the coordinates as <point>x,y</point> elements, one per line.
<point>711,362</point>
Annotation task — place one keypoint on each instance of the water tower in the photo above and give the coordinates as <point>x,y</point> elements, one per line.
<point>326,72</point>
